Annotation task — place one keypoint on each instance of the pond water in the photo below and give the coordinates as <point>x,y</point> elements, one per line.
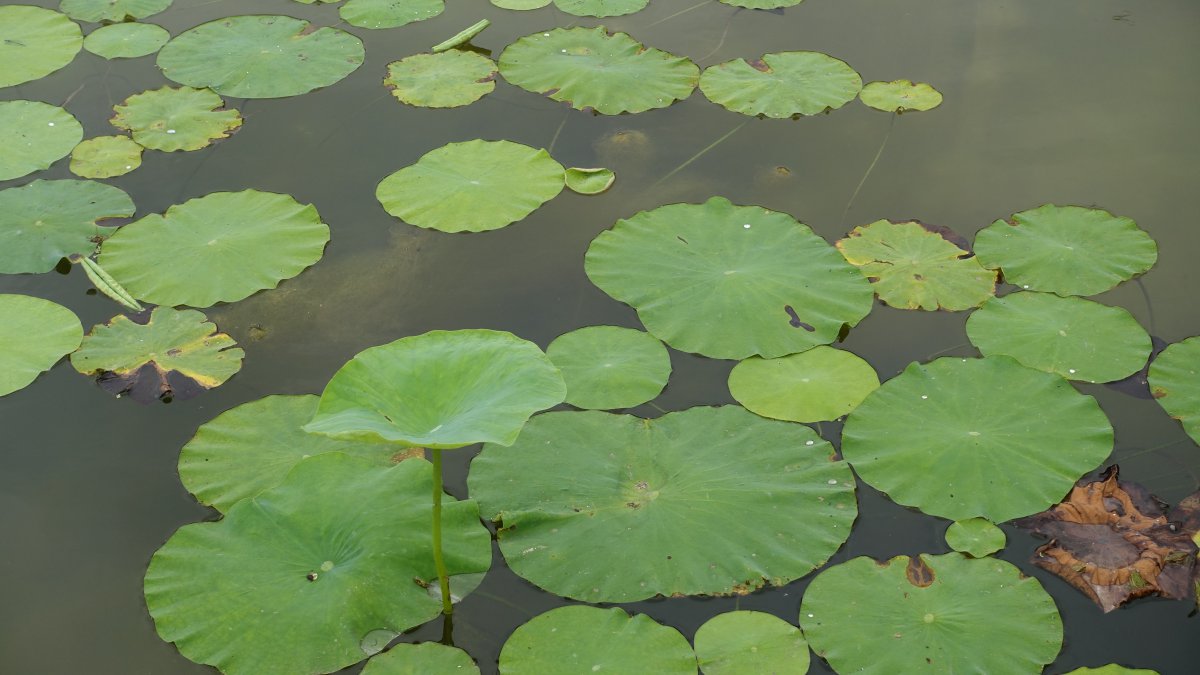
<point>1072,102</point>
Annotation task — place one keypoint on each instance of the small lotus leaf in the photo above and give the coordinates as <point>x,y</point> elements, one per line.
<point>520,5</point>
<point>900,96</point>
<point>34,42</point>
<point>589,181</point>
<point>601,8</point>
<point>822,383</point>
<point>36,333</point>
<point>782,84</point>
<point>976,537</point>
<point>389,13</point>
<point>1112,669</point>
<point>762,4</point>
<point>176,118</point>
<point>608,367</point>
<point>462,37</point>
<point>1175,383</point>
<point>746,643</point>
<point>48,220</point>
<point>105,157</point>
<point>126,40</point>
<point>35,135</point>
<point>426,658</point>
<point>446,79</point>
<point>112,10</point>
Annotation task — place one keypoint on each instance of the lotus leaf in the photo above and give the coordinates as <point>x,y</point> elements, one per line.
<point>936,613</point>
<point>1175,383</point>
<point>389,13</point>
<point>661,488</point>
<point>822,383</point>
<point>601,8</point>
<point>260,56</point>
<point>447,79</point>
<point>520,4</point>
<point>442,389</point>
<point>782,84</point>
<point>112,10</point>
<point>310,576</point>
<point>746,643</point>
<point>472,186</point>
<point>35,135</point>
<point>913,266</point>
<point>462,37</point>
<point>728,281</point>
<point>609,367</point>
<point>900,96</point>
<point>589,181</point>
<point>126,40</point>
<point>762,4</point>
<point>36,333</point>
<point>950,437</point>
<point>48,220</point>
<point>426,658</point>
<point>1076,338</point>
<point>579,640</point>
<point>176,118</point>
<point>1112,669</point>
<point>975,537</point>
<point>591,68</point>
<point>221,247</point>
<point>1068,250</point>
<point>34,42</point>
<point>106,157</point>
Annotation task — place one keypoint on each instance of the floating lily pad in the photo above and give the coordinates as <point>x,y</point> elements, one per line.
<point>221,247</point>
<point>745,643</point>
<point>976,537</point>
<point>427,658</point>
<point>1174,379</point>
<point>729,281</point>
<point>1112,669</point>
<point>822,383</point>
<point>661,488</point>
<point>106,157</point>
<point>112,10</point>
<point>36,333</point>
<point>762,4</point>
<point>126,40</point>
<point>35,42</point>
<point>260,56</point>
<point>520,5</point>
<point>782,84</point>
<point>1068,250</point>
<point>472,186</point>
<point>601,8</point>
<point>909,615</point>
<point>389,13</point>
<point>313,575</point>
<point>176,118</point>
<point>48,220</point>
<point>608,367</point>
<point>590,68</point>
<point>35,135</point>
<point>900,96</point>
<point>579,639</point>
<point>912,266</point>
<point>589,181</point>
<point>447,79</point>
<point>960,438</point>
<point>1076,338</point>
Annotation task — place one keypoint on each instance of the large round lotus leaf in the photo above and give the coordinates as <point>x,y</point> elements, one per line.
<point>260,56</point>
<point>762,4</point>
<point>749,643</point>
<point>34,42</point>
<point>472,186</point>
<point>662,488</point>
<point>914,267</point>
<point>938,614</point>
<point>960,438</point>
<point>1068,250</point>
<point>313,575</point>
<point>589,68</point>
<point>608,367</point>
<point>729,281</point>
<point>781,84</point>
<point>389,13</point>
<point>427,658</point>
<point>1112,669</point>
<point>520,4</point>
<point>35,136</point>
<point>976,537</point>
<point>900,96</point>
<point>580,640</point>
<point>442,389</point>
<point>112,10</point>
<point>601,8</point>
<point>221,247</point>
<point>444,80</point>
<point>822,383</point>
<point>105,157</point>
<point>589,181</point>
<point>1175,383</point>
<point>126,40</point>
<point>35,333</point>
<point>1076,338</point>
<point>176,118</point>
<point>48,220</point>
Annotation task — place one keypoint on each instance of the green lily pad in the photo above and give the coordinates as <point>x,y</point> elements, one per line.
<point>520,5</point>
<point>472,187</point>
<point>35,42</point>
<point>126,40</point>
<point>900,96</point>
<point>260,56</point>
<point>601,8</point>
<point>976,537</point>
<point>313,575</point>
<point>822,383</point>
<point>36,333</point>
<point>176,118</point>
<point>1175,383</point>
<point>591,68</point>
<point>661,488</point>
<point>1076,338</point>
<point>782,84</point>
<point>960,438</point>
<point>389,13</point>
<point>729,281</point>
<point>608,367</point>
<point>579,640</point>
<point>447,79</point>
<point>1112,669</point>
<point>908,615</point>
<point>748,643</point>
<point>35,135</point>
<point>221,247</point>
<point>915,267</point>
<point>48,220</point>
<point>1068,250</point>
<point>589,181</point>
<point>762,4</point>
<point>442,389</point>
<point>427,658</point>
<point>112,10</point>
<point>105,157</point>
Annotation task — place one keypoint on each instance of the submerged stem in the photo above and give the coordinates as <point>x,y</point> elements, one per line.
<point>698,155</point>
<point>842,221</point>
<point>438,561</point>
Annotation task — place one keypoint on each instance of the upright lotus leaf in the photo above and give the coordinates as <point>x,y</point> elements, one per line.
<point>728,281</point>
<point>601,8</point>
<point>447,79</point>
<point>442,389</point>
<point>35,135</point>
<point>744,643</point>
<point>1112,669</point>
<point>900,96</point>
<point>1068,250</point>
<point>960,438</point>
<point>35,42</point>
<point>580,639</point>
<point>762,4</point>
<point>1174,379</point>
<point>126,40</point>
<point>822,383</point>
<point>976,537</point>
<point>260,56</point>
<point>607,367</point>
<point>313,575</point>
<point>176,118</point>
<point>1076,338</point>
<point>591,68</point>
<point>426,658</point>
<point>389,13</point>
<point>912,266</point>
<point>589,181</point>
<point>221,247</point>
<point>462,37</point>
<point>35,333</point>
<point>106,157</point>
<point>472,187</point>
<point>935,613</point>
<point>112,10</point>
<point>661,488</point>
<point>48,220</point>
<point>782,84</point>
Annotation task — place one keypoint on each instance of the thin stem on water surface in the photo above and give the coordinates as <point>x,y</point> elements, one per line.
<point>875,161</point>
<point>697,156</point>
<point>438,561</point>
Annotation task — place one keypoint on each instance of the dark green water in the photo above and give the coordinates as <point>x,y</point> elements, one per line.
<point>1073,102</point>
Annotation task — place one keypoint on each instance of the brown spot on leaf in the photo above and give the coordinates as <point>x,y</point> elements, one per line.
<point>408,453</point>
<point>919,574</point>
<point>308,30</point>
<point>759,65</point>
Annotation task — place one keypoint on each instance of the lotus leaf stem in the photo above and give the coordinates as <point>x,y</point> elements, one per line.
<point>875,161</point>
<point>438,559</point>
<point>700,154</point>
